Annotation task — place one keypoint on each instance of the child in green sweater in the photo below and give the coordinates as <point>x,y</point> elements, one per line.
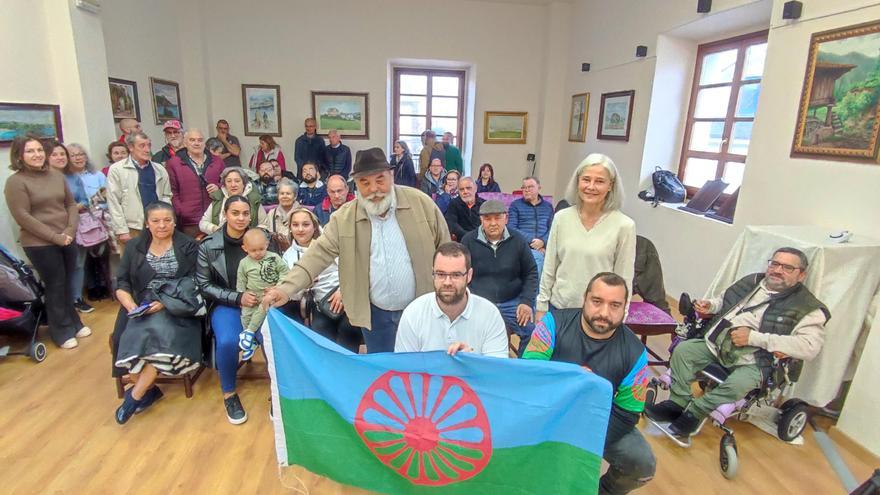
<point>258,271</point>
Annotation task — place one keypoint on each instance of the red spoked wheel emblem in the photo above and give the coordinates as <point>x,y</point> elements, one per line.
<point>432,430</point>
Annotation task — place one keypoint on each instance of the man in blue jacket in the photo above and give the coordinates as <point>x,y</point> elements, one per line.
<point>504,270</point>
<point>531,218</point>
<point>309,148</point>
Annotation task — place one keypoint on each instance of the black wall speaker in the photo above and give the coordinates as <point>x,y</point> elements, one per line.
<point>792,9</point>
<point>704,6</point>
<point>641,51</point>
<point>585,67</point>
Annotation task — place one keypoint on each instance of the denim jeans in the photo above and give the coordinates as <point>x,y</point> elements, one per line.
<point>508,312</point>
<point>631,464</point>
<point>77,278</point>
<point>226,324</point>
<point>539,260</point>
<point>384,330</point>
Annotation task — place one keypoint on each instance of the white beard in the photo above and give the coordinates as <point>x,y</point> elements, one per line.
<point>378,209</point>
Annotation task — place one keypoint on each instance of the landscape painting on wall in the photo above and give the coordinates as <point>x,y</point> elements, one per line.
<point>262,109</point>
<point>615,115</point>
<point>839,115</point>
<point>505,127</point>
<point>577,119</point>
<point>18,119</point>
<point>346,112</point>
<point>124,99</point>
<point>166,100</point>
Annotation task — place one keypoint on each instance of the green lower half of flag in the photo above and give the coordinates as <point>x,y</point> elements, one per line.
<point>320,440</point>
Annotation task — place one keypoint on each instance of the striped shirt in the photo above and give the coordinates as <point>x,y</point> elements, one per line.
<point>392,280</point>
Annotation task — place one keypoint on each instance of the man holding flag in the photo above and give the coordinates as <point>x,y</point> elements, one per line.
<point>384,240</point>
<point>452,318</point>
<point>595,338</point>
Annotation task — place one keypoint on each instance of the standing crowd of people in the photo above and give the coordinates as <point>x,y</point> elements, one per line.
<point>375,250</point>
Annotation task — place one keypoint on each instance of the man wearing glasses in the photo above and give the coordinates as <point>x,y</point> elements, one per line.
<point>452,318</point>
<point>762,316</point>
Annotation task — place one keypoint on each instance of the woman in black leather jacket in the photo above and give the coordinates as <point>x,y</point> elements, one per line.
<point>219,256</point>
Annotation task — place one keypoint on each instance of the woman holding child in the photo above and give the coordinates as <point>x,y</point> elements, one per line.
<point>217,275</point>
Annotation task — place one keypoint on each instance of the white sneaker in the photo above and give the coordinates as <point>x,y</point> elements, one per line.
<point>83,332</point>
<point>69,343</point>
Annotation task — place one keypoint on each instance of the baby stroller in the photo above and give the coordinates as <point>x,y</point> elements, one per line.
<point>769,400</point>
<point>21,305</point>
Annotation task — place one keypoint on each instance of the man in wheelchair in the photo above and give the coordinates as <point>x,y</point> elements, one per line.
<point>761,316</point>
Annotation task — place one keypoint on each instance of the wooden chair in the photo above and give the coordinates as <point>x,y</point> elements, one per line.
<point>188,379</point>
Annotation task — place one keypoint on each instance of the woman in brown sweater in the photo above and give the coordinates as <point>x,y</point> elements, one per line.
<point>47,214</point>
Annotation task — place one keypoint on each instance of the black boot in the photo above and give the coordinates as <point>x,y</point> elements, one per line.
<point>685,425</point>
<point>664,411</point>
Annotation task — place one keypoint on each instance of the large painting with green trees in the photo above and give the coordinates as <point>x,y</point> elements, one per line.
<point>838,115</point>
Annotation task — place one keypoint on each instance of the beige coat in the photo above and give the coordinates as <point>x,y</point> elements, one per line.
<point>347,236</point>
<point>124,198</point>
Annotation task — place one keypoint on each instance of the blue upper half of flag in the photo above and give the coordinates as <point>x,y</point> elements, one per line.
<point>526,402</point>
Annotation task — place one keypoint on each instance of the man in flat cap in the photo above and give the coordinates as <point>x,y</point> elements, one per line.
<point>385,241</point>
<point>505,272</point>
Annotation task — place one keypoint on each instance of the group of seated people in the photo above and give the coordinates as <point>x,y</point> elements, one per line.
<point>204,244</point>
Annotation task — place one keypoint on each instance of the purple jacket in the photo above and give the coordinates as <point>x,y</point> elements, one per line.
<point>188,194</point>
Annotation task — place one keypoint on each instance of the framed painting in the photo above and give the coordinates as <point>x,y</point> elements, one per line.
<point>124,100</point>
<point>615,114</point>
<point>166,100</point>
<point>261,104</point>
<point>839,115</point>
<point>18,119</point>
<point>505,127</point>
<point>348,113</point>
<point>577,118</point>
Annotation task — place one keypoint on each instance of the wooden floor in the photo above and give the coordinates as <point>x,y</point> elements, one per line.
<point>58,435</point>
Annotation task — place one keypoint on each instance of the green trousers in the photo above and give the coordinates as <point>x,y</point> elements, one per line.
<point>688,359</point>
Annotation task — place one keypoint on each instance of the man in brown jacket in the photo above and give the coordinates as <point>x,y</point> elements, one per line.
<point>385,241</point>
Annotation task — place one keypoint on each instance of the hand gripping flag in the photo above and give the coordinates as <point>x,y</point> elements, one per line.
<point>426,423</point>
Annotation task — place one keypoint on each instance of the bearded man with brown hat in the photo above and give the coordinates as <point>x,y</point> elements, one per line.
<point>385,241</point>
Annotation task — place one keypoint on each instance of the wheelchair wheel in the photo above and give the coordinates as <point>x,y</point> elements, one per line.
<point>37,352</point>
<point>728,459</point>
<point>793,421</point>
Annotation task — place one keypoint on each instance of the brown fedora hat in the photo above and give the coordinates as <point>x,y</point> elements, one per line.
<point>369,162</point>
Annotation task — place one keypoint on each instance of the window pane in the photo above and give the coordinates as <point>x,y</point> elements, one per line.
<point>740,138</point>
<point>414,104</point>
<point>441,125</point>
<point>753,67</point>
<point>415,145</point>
<point>698,171</point>
<point>444,106</point>
<point>712,103</point>
<point>445,85</point>
<point>412,125</point>
<point>413,84</point>
<point>718,67</point>
<point>706,136</point>
<point>733,175</point>
<point>747,101</point>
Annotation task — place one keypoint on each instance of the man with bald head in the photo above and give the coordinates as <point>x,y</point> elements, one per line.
<point>194,173</point>
<point>309,148</point>
<point>463,214</point>
<point>338,194</point>
<point>127,126</point>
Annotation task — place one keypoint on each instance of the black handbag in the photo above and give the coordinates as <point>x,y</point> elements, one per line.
<point>323,306</point>
<point>667,188</point>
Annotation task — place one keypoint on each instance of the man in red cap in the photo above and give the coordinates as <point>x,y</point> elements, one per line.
<point>173,142</point>
<point>385,241</point>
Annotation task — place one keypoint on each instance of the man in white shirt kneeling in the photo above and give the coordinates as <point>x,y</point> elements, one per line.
<point>451,317</point>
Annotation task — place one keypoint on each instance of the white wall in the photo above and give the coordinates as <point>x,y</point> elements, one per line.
<point>162,39</point>
<point>311,48</point>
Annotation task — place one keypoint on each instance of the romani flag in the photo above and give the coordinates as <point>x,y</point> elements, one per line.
<point>426,423</point>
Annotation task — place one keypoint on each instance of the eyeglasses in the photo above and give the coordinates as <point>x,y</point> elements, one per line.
<point>453,275</point>
<point>785,268</point>
<point>77,155</point>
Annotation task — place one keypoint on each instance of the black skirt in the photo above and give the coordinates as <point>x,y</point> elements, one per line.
<point>173,345</point>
